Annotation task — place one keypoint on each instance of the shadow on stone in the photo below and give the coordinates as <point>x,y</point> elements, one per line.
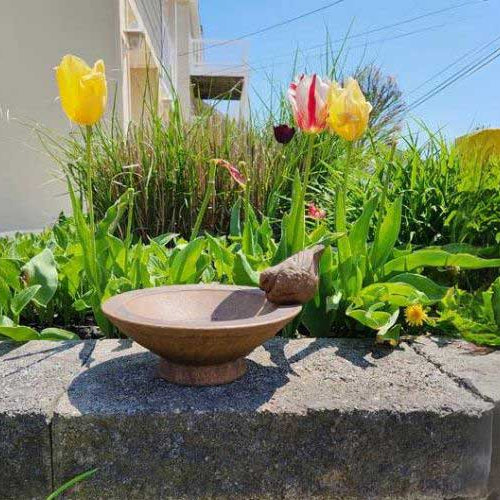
<point>356,352</point>
<point>129,384</point>
<point>47,353</point>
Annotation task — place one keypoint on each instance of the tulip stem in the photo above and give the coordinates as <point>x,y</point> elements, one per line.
<point>340,210</point>
<point>209,192</point>
<point>307,167</point>
<point>90,208</point>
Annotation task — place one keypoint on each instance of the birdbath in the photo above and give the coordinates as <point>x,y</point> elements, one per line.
<point>202,333</point>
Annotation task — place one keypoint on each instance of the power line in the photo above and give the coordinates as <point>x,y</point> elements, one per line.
<point>475,50</point>
<point>357,35</point>
<point>465,72</point>
<point>265,29</point>
<point>386,27</point>
<point>379,40</point>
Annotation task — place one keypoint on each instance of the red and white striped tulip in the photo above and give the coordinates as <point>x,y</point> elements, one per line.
<point>308,97</point>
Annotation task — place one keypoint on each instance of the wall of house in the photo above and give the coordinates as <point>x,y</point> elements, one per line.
<point>34,35</point>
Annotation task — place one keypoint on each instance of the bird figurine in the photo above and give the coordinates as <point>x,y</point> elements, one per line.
<point>295,280</point>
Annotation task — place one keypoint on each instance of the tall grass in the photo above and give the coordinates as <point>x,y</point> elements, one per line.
<point>166,163</point>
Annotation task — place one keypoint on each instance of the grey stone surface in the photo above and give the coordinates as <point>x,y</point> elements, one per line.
<point>32,378</point>
<point>480,373</point>
<point>310,419</point>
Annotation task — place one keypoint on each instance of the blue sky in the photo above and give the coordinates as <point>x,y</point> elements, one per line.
<point>412,59</point>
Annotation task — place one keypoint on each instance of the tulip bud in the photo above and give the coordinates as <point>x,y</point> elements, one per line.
<point>283,133</point>
<point>348,110</point>
<point>314,212</point>
<point>83,90</point>
<point>307,95</point>
<point>236,175</point>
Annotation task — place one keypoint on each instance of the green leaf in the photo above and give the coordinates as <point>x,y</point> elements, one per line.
<point>495,301</point>
<point>296,223</point>
<point>389,335</point>
<point>282,253</point>
<point>23,298</point>
<point>69,484</point>
<point>243,274</point>
<point>397,294</point>
<point>9,273</point>
<point>248,243</point>
<point>5,296</point>
<point>222,257</point>
<point>183,269</point>
<point>5,321</point>
<point>371,319</point>
<point>57,334</point>
<point>164,239</point>
<point>113,214</point>
<point>432,290</point>
<point>387,235</point>
<point>437,258</point>
<point>235,222</point>
<point>41,270</point>
<point>19,333</point>
<point>358,235</point>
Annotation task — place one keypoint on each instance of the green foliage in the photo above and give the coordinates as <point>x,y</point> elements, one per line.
<point>69,484</point>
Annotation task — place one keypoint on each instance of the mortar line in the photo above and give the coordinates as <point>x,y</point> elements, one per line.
<point>461,382</point>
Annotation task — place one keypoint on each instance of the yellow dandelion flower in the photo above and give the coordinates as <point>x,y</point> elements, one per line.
<point>415,315</point>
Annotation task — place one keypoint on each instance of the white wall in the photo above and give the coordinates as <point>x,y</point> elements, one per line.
<point>34,35</point>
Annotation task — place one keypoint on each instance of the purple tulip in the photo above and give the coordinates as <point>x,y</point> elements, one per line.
<point>283,133</point>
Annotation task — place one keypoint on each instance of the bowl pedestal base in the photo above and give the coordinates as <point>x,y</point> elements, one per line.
<point>202,375</point>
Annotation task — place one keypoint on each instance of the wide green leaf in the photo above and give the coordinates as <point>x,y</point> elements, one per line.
<point>22,299</point>
<point>358,235</point>
<point>296,223</point>
<point>19,333</point>
<point>235,221</point>
<point>437,258</point>
<point>495,301</point>
<point>183,269</point>
<point>243,274</point>
<point>432,290</point>
<point>387,235</point>
<point>41,270</point>
<point>57,334</point>
<point>9,273</point>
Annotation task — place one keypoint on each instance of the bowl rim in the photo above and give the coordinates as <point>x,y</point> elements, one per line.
<point>113,309</point>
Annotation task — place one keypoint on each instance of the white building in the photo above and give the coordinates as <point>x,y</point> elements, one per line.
<point>154,41</point>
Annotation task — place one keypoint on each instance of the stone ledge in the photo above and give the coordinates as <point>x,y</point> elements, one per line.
<point>311,419</point>
<point>477,371</point>
<point>33,376</point>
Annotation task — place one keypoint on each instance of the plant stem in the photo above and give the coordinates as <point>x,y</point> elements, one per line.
<point>210,190</point>
<point>90,210</point>
<point>130,217</point>
<point>90,199</point>
<point>340,211</point>
<point>307,167</point>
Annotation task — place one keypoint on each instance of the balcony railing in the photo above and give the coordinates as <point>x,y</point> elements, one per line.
<point>218,57</point>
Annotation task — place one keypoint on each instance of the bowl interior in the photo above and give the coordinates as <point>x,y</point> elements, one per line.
<point>198,305</point>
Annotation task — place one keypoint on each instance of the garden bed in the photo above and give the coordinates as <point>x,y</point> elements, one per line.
<point>311,418</point>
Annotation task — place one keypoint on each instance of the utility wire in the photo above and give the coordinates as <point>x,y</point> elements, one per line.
<point>465,72</point>
<point>385,27</point>
<point>356,35</point>
<point>265,29</point>
<point>475,50</point>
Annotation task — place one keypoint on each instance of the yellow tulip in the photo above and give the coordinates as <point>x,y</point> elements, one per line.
<point>348,110</point>
<point>83,89</point>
